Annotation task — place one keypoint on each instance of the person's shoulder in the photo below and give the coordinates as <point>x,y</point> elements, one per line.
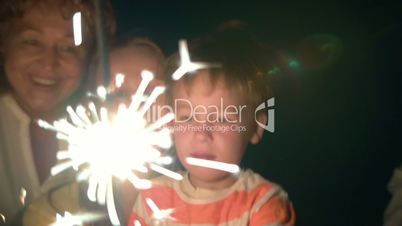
<point>253,182</point>
<point>271,202</point>
<point>10,108</point>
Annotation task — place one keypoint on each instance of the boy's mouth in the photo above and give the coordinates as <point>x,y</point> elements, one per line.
<point>203,156</point>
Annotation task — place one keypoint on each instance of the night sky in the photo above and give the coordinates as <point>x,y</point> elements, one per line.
<point>338,125</point>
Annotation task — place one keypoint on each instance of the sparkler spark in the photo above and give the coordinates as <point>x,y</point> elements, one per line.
<point>119,80</point>
<point>231,168</point>
<point>77,28</point>
<point>23,195</point>
<point>101,146</point>
<point>157,213</point>
<point>67,220</point>
<point>186,65</point>
<point>3,218</point>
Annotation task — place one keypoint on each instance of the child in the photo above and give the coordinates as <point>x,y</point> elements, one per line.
<point>215,121</point>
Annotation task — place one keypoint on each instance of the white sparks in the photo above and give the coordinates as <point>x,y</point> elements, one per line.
<point>23,195</point>
<point>67,220</point>
<point>106,145</point>
<point>166,172</point>
<point>158,213</point>
<point>186,65</point>
<point>77,28</point>
<point>231,168</point>
<point>119,80</point>
<point>102,92</point>
<point>3,218</point>
<point>111,209</point>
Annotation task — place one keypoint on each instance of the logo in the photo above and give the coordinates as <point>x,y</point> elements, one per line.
<point>269,104</point>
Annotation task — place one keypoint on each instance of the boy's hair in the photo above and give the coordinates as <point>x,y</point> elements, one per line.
<point>243,62</point>
<point>11,9</point>
<point>129,41</point>
<point>145,43</point>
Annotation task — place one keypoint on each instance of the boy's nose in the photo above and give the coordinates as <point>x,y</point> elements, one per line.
<point>203,133</point>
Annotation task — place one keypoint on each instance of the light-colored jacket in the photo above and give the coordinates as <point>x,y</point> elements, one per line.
<point>393,213</point>
<point>17,166</point>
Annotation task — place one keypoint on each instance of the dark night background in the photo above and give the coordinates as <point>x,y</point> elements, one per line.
<point>338,128</point>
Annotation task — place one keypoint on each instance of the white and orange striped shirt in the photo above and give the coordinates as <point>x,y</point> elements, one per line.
<point>251,201</point>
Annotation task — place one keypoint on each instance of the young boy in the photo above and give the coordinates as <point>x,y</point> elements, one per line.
<point>215,121</point>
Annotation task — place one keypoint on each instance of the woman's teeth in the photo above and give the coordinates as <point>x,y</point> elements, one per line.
<point>43,81</point>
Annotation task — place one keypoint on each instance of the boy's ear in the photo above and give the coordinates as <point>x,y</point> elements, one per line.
<point>258,130</point>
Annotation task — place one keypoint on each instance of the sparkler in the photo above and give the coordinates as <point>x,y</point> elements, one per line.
<point>102,146</point>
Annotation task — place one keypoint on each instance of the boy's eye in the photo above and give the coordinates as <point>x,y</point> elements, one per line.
<point>222,120</point>
<point>184,118</point>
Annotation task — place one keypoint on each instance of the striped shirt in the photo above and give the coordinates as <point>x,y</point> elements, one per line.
<point>251,200</point>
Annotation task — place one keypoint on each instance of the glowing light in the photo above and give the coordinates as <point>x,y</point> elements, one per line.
<point>231,168</point>
<point>103,145</point>
<point>294,64</point>
<point>119,80</point>
<point>67,220</point>
<point>77,28</point>
<point>102,92</point>
<point>3,218</point>
<point>137,223</point>
<point>158,213</point>
<point>166,172</point>
<point>23,195</point>
<point>186,65</point>
<point>274,71</point>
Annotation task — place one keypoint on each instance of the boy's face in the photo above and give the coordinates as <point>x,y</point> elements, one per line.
<point>131,61</point>
<point>220,135</point>
<point>41,62</point>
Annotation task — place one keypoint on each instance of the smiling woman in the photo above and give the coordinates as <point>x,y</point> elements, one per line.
<point>41,72</point>
<point>41,62</point>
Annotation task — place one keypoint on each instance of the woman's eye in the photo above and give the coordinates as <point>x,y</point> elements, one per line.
<point>31,42</point>
<point>67,48</point>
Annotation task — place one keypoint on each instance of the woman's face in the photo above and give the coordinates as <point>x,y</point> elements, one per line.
<point>41,62</point>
